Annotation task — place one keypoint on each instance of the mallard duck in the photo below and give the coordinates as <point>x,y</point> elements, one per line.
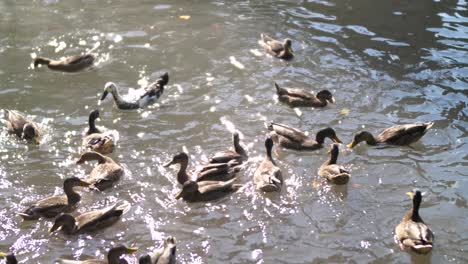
<point>205,191</point>
<point>291,138</point>
<point>54,205</point>
<point>282,50</point>
<point>209,172</point>
<point>99,142</point>
<point>92,128</point>
<point>105,173</point>
<point>412,232</point>
<point>90,221</point>
<point>163,255</point>
<point>298,97</point>
<point>69,64</point>
<point>21,126</point>
<point>238,153</point>
<point>401,135</point>
<point>268,176</point>
<point>10,258</point>
<point>149,95</point>
<point>333,172</point>
<point>113,257</point>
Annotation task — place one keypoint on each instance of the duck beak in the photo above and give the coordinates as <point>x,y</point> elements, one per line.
<point>410,194</point>
<point>36,141</point>
<point>274,179</point>
<point>104,94</point>
<point>3,255</point>
<point>329,151</point>
<point>180,194</point>
<point>168,164</point>
<point>351,145</point>
<point>84,183</point>
<point>336,139</point>
<point>332,100</point>
<point>131,250</point>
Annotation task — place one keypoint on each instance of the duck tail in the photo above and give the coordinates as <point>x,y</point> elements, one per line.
<point>163,79</point>
<point>122,205</point>
<point>429,125</point>
<point>28,216</point>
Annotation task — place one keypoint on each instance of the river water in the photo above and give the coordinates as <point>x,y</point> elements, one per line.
<point>386,62</point>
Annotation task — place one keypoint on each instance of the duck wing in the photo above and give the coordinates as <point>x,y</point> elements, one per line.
<point>288,132</point>
<point>48,207</point>
<point>404,134</point>
<point>14,121</point>
<point>86,59</point>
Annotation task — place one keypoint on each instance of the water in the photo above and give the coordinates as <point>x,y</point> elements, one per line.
<point>387,62</point>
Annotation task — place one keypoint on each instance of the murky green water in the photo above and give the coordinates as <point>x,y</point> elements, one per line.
<point>387,62</point>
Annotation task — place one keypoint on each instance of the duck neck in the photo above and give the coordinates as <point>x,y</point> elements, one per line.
<point>41,61</point>
<point>238,148</point>
<point>322,101</point>
<point>92,126</point>
<point>182,175</point>
<point>268,149</point>
<point>69,226</point>
<point>333,158</point>
<point>370,140</point>
<point>415,212</point>
<point>72,196</point>
<point>117,98</point>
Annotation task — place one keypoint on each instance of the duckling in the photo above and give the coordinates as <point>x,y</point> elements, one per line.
<point>282,50</point>
<point>69,64</point>
<point>209,172</point>
<point>268,176</point>
<point>92,128</point>
<point>333,172</point>
<point>291,138</point>
<point>99,142</point>
<point>401,135</point>
<point>163,255</point>
<point>193,191</point>
<point>302,98</point>
<point>106,172</point>
<point>238,154</point>
<point>412,232</point>
<point>10,258</point>
<point>21,126</point>
<point>54,205</point>
<point>151,93</point>
<point>90,221</point>
<point>113,257</point>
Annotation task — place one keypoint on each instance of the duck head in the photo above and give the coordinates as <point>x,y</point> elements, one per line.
<point>360,137</point>
<point>178,159</point>
<point>65,222</point>
<point>326,95</point>
<point>30,132</point>
<point>109,87</point>
<point>327,133</point>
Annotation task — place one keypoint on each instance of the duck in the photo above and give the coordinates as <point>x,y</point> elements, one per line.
<point>205,191</point>
<point>238,153</point>
<point>163,255</point>
<point>90,221</point>
<point>149,94</point>
<point>21,126</point>
<point>69,64</point>
<point>268,177</point>
<point>99,142</point>
<point>105,173</point>
<point>9,257</point>
<point>292,138</point>
<point>412,232</point>
<point>281,50</point>
<point>301,98</point>
<point>209,172</point>
<point>333,172</point>
<point>52,206</point>
<point>113,257</point>
<point>92,128</point>
<point>400,135</point>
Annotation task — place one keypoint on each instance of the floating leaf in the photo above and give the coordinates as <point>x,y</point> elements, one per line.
<point>345,111</point>
<point>185,17</point>
<point>256,52</point>
<point>236,63</point>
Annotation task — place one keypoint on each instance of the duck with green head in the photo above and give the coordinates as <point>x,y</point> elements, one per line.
<point>333,172</point>
<point>400,135</point>
<point>52,206</point>
<point>301,98</point>
<point>149,94</point>
<point>69,64</point>
<point>268,176</point>
<point>164,255</point>
<point>113,257</point>
<point>282,50</point>
<point>21,126</point>
<point>292,138</point>
<point>412,233</point>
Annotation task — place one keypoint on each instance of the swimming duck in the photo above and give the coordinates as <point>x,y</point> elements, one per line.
<point>205,191</point>
<point>10,258</point>
<point>105,173</point>
<point>92,128</point>
<point>238,153</point>
<point>69,64</point>
<point>282,50</point>
<point>333,172</point>
<point>113,257</point>
<point>412,232</point>
<point>99,142</point>
<point>163,255</point>
<point>90,221</point>
<point>21,126</point>
<point>151,93</point>
<point>401,135</point>
<point>302,98</point>
<point>209,172</point>
<point>291,138</point>
<point>268,176</point>
<point>54,205</point>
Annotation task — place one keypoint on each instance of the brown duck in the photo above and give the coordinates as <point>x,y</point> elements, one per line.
<point>205,191</point>
<point>401,135</point>
<point>333,172</point>
<point>54,205</point>
<point>282,50</point>
<point>69,64</point>
<point>113,257</point>
<point>412,232</point>
<point>105,173</point>
<point>21,126</point>
<point>291,138</point>
<point>301,98</point>
<point>238,153</point>
<point>163,255</point>
<point>268,176</point>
